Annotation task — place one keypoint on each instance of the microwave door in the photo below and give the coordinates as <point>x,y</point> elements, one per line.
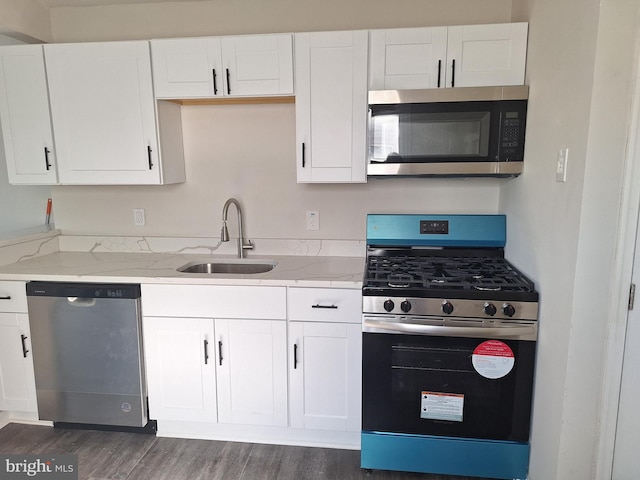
<point>434,139</point>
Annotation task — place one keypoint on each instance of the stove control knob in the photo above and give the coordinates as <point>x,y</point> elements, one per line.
<point>508,309</point>
<point>388,305</point>
<point>490,309</point>
<point>405,306</point>
<point>447,307</point>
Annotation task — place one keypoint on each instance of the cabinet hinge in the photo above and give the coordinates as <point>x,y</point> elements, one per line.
<point>632,295</point>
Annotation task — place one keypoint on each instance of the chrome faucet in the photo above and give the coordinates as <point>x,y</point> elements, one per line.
<point>224,235</point>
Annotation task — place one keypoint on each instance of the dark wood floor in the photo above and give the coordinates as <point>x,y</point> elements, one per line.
<point>131,456</point>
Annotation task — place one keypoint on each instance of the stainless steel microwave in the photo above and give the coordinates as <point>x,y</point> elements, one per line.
<point>450,132</point>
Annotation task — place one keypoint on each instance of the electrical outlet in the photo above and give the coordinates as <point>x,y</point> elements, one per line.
<point>313,220</point>
<point>561,166</point>
<point>138,217</point>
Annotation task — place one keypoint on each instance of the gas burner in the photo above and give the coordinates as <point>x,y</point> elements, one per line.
<point>481,273</point>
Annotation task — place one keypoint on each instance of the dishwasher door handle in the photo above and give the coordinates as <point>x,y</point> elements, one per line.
<point>81,302</point>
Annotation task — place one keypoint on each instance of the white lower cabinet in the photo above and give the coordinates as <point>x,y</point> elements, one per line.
<point>325,375</point>
<point>216,354</point>
<point>17,380</point>
<point>254,375</point>
<point>181,375</point>
<point>325,348</point>
<point>252,371</point>
<point>224,370</point>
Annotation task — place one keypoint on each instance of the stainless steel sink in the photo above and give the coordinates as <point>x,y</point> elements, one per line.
<point>234,267</point>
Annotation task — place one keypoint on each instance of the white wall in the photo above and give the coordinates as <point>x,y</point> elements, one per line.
<point>581,71</point>
<point>25,20</point>
<point>224,17</point>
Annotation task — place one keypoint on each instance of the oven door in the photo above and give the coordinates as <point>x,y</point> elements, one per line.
<point>447,386</point>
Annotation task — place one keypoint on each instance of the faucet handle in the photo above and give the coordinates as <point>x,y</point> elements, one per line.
<point>247,245</point>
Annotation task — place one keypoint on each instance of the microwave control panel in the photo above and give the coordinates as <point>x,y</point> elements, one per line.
<point>511,137</point>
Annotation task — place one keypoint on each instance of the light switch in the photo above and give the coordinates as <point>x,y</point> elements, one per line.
<point>313,220</point>
<point>138,217</point>
<point>561,166</point>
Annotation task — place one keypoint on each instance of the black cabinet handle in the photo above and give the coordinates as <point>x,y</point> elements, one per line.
<point>453,72</point>
<point>228,83</point>
<point>220,351</point>
<point>439,72</point>
<point>215,83</point>
<point>149,156</point>
<point>303,159</point>
<point>24,346</point>
<point>8,297</point>
<point>317,305</point>
<point>206,352</point>
<point>295,356</point>
<point>46,158</point>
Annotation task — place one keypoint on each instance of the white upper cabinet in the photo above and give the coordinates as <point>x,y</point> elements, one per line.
<point>255,65</point>
<point>407,58</point>
<point>25,117</point>
<point>187,67</point>
<point>331,106</point>
<point>485,55</point>
<point>104,115</point>
<point>438,57</point>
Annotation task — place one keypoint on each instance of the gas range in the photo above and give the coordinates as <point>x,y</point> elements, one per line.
<point>444,265</point>
<point>449,332</point>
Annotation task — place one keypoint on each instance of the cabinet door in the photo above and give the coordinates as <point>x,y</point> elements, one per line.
<point>325,375</point>
<point>180,367</point>
<point>25,118</point>
<point>258,65</point>
<point>103,113</point>
<point>407,58</point>
<point>251,371</point>
<point>484,55</point>
<point>17,381</point>
<point>187,67</point>
<point>331,106</point>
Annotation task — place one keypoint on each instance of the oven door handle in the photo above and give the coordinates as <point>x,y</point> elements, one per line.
<point>519,330</point>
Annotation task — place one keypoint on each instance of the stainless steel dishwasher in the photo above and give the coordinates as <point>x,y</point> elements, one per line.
<point>87,353</point>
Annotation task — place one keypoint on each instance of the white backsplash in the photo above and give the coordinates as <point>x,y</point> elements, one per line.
<point>149,244</point>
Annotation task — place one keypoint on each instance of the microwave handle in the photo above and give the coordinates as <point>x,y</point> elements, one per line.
<point>439,71</point>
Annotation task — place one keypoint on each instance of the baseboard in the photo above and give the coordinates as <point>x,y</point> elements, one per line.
<point>260,434</point>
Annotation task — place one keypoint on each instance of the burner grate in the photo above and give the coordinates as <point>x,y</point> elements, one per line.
<point>489,274</point>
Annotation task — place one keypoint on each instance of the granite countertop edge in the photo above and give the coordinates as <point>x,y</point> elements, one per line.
<point>161,268</point>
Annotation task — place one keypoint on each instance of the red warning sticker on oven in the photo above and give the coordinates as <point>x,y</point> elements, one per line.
<point>493,359</point>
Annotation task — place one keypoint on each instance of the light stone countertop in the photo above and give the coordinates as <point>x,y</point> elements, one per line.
<point>113,267</point>
<point>28,234</point>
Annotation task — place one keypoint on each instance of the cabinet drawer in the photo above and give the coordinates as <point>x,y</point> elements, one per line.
<point>214,301</point>
<point>13,297</point>
<point>325,305</point>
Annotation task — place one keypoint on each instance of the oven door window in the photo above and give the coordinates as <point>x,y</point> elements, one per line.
<point>431,132</point>
<point>428,385</point>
